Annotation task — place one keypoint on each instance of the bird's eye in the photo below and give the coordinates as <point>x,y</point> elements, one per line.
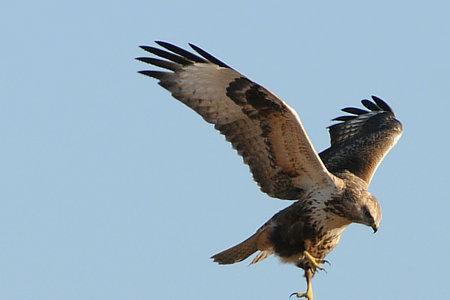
<point>367,213</point>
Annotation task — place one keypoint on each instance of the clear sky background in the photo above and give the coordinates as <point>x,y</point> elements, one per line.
<point>109,189</point>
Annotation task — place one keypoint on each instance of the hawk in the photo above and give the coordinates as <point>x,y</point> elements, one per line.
<point>330,189</point>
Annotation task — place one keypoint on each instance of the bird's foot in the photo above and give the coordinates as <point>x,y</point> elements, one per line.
<point>308,295</point>
<point>315,263</point>
<point>309,273</point>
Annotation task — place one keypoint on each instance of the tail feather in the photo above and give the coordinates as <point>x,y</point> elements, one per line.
<point>237,253</point>
<point>261,256</point>
<point>245,249</point>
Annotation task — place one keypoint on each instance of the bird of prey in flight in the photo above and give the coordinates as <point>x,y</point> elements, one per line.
<point>329,189</point>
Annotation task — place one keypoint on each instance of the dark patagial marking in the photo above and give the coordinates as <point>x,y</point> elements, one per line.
<point>243,91</point>
<point>236,90</point>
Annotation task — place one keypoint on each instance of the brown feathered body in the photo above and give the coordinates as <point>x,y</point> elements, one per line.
<point>330,189</point>
<point>310,224</point>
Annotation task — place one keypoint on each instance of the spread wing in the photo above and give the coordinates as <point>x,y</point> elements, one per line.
<point>263,129</point>
<point>361,140</point>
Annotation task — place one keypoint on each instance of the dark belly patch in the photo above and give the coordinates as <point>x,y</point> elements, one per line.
<point>289,241</point>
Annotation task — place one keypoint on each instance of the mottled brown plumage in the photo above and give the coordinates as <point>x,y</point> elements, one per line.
<point>330,187</point>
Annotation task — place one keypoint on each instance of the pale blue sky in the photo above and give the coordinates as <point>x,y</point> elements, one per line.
<point>112,190</point>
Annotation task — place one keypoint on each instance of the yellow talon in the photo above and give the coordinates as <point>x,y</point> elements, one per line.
<point>315,262</point>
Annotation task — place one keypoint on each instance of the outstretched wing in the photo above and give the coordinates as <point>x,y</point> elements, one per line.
<point>263,129</point>
<point>362,139</point>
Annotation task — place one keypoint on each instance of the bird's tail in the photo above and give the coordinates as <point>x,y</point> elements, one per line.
<point>243,250</point>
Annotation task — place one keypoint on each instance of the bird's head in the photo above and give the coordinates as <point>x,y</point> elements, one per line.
<point>358,205</point>
<point>368,211</point>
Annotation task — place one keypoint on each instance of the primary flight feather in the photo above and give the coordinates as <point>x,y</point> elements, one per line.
<point>330,188</point>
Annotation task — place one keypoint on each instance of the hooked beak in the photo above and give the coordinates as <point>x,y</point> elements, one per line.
<point>375,228</point>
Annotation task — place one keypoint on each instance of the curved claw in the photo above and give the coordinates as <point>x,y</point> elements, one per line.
<point>298,295</point>
<point>301,295</point>
<point>323,261</point>
<point>315,263</point>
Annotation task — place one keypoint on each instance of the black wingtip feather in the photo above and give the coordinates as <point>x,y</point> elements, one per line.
<point>167,55</point>
<point>182,56</point>
<point>153,74</point>
<point>354,110</point>
<point>344,118</point>
<point>377,105</point>
<point>159,63</point>
<point>383,105</point>
<point>143,59</point>
<point>180,51</point>
<point>209,56</point>
<point>146,48</point>
<point>370,105</point>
